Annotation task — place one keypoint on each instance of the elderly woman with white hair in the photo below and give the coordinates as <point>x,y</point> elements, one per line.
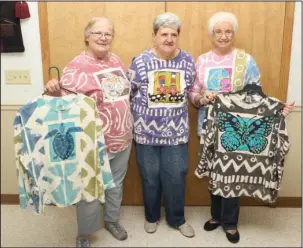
<point>223,69</point>
<point>99,74</point>
<point>160,80</point>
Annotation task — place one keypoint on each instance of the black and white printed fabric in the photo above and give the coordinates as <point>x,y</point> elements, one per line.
<point>243,144</point>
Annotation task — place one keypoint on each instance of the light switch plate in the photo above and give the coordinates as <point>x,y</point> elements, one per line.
<point>17,77</point>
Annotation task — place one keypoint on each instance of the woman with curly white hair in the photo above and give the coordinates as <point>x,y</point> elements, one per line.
<point>223,69</point>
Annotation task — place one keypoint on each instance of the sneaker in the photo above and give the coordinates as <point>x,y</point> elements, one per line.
<point>210,226</point>
<point>233,237</point>
<point>187,230</point>
<point>82,242</point>
<point>150,227</point>
<point>116,230</point>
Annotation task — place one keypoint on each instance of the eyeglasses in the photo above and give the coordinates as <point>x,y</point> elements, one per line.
<point>100,35</point>
<point>219,33</point>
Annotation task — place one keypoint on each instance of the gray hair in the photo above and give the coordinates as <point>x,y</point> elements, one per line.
<point>167,20</point>
<point>92,22</point>
<point>222,17</point>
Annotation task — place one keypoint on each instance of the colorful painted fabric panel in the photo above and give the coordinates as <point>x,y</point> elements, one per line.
<point>228,73</point>
<point>61,154</point>
<point>105,81</point>
<point>243,144</point>
<point>159,98</point>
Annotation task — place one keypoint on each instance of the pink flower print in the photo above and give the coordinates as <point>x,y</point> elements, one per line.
<point>173,90</point>
<point>162,89</point>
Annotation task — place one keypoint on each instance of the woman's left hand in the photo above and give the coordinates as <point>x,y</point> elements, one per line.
<point>287,108</point>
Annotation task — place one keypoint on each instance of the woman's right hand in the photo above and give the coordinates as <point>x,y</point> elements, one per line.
<point>53,86</point>
<point>207,97</point>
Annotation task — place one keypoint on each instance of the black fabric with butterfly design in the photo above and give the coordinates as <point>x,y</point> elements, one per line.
<point>243,146</point>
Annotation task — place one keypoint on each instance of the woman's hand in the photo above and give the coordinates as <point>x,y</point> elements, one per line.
<point>208,96</point>
<point>287,108</point>
<point>53,86</point>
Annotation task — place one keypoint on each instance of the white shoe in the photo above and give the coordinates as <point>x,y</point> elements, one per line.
<point>150,227</point>
<point>187,230</point>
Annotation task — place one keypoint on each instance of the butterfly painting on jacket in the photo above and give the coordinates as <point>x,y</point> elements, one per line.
<point>244,133</point>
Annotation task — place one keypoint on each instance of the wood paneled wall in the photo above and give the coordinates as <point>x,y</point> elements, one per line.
<point>265,30</point>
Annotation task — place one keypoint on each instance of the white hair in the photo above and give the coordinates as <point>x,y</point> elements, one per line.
<point>222,17</point>
<point>92,22</point>
<point>167,20</point>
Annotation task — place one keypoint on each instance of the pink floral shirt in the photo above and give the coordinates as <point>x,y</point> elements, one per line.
<point>104,81</point>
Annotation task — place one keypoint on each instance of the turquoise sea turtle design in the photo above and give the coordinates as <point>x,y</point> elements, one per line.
<point>63,143</point>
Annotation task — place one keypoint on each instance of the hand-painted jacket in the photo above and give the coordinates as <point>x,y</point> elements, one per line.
<point>61,154</point>
<point>243,144</point>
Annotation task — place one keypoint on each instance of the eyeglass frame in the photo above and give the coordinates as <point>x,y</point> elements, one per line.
<point>101,34</point>
<point>229,35</point>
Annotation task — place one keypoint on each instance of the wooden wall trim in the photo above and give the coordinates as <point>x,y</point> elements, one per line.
<point>44,37</point>
<point>289,202</point>
<point>286,49</point>
<point>10,107</point>
<point>9,199</point>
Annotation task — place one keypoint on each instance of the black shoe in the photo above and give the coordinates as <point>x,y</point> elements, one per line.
<point>208,226</point>
<point>233,238</point>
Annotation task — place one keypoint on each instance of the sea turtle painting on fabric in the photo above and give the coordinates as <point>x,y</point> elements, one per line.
<point>63,142</point>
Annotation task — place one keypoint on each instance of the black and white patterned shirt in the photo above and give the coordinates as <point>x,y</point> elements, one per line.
<point>243,144</point>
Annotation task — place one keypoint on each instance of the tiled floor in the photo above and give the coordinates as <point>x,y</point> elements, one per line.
<point>258,227</point>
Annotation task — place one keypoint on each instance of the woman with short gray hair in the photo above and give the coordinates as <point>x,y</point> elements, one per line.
<point>223,69</point>
<point>160,79</point>
<point>167,20</point>
<point>220,17</point>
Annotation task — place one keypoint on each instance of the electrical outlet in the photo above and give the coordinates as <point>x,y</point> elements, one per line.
<point>17,77</point>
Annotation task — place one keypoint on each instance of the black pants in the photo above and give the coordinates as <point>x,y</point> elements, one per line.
<point>225,211</point>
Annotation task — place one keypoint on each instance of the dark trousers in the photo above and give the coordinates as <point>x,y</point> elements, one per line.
<point>163,168</point>
<point>225,211</point>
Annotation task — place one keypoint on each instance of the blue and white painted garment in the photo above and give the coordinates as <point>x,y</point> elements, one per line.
<point>61,155</point>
